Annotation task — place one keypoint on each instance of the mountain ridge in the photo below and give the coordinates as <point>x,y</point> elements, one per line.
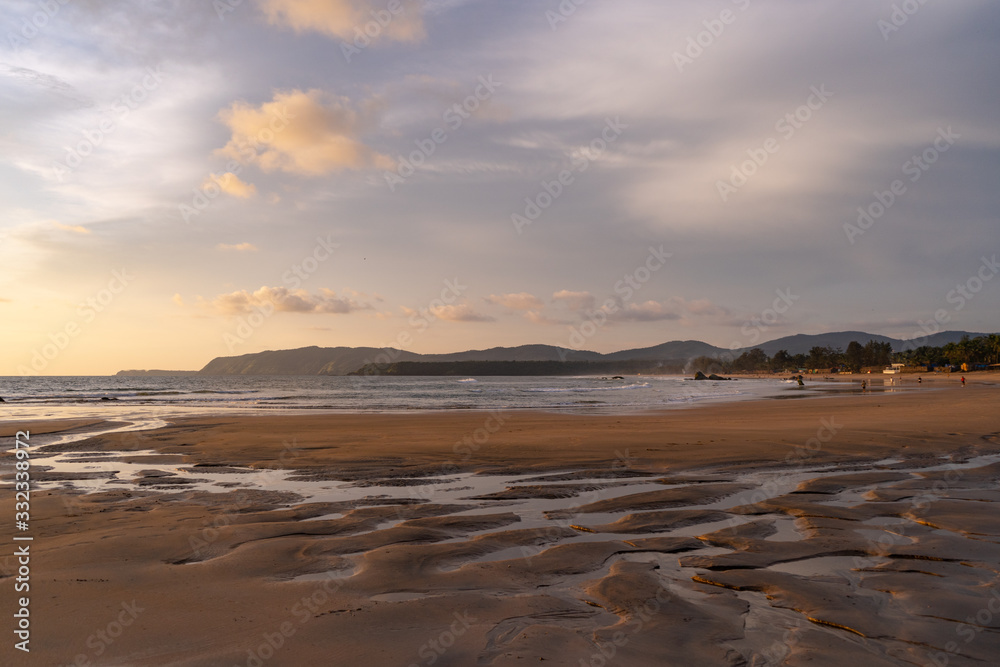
<point>315,360</point>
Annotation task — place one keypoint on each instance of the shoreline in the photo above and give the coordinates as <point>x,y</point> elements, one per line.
<point>125,409</point>
<point>746,530</point>
<point>750,387</point>
<point>687,423</point>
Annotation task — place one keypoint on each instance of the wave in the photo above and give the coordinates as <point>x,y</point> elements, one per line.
<point>224,391</point>
<point>385,394</point>
<point>567,390</point>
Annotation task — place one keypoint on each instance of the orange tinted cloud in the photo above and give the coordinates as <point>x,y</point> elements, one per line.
<point>459,313</point>
<point>519,301</point>
<point>300,132</point>
<point>231,184</point>
<point>575,300</point>
<point>394,20</point>
<point>285,300</point>
<point>240,247</point>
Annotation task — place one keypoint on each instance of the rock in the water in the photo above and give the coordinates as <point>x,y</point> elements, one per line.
<point>700,376</point>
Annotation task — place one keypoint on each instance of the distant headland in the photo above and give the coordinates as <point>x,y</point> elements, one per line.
<point>670,357</point>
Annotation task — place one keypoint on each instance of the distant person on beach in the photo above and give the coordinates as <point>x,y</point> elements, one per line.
<point>864,385</point>
<point>963,380</point>
<point>919,380</point>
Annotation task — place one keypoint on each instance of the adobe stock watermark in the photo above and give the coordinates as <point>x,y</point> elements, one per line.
<point>914,169</point>
<point>698,44</point>
<point>827,431</point>
<point>303,611</point>
<point>102,638</point>
<point>452,290</point>
<point>552,190</point>
<point>121,108</point>
<point>899,17</point>
<point>797,457</point>
<point>223,7</point>
<point>959,297</point>
<point>556,530</point>
<point>779,649</point>
<point>293,278</point>
<point>212,187</point>
<point>33,26</point>
<point>435,648</point>
<point>786,127</point>
<point>970,629</point>
<point>420,320</point>
<point>758,324</point>
<point>210,190</point>
<point>562,13</point>
<point>129,441</point>
<point>365,35</point>
<point>638,617</point>
<point>88,310</point>
<point>454,117</point>
<point>464,450</point>
<point>881,546</point>
<point>468,446</point>
<point>210,531</point>
<point>626,289</point>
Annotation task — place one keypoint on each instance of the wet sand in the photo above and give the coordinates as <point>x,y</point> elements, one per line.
<point>852,529</point>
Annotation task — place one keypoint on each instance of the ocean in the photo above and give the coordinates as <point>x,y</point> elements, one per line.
<point>134,397</point>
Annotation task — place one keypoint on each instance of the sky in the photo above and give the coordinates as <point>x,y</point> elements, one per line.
<point>185,179</point>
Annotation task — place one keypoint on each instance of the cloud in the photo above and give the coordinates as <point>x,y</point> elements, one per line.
<point>368,20</point>
<point>239,247</point>
<point>459,313</point>
<point>536,317</point>
<point>309,133</point>
<point>700,307</point>
<point>673,309</point>
<point>285,300</point>
<point>519,301</point>
<point>650,311</point>
<point>76,229</point>
<point>231,184</point>
<point>575,300</point>
<point>373,20</point>
<point>178,299</point>
<point>375,296</point>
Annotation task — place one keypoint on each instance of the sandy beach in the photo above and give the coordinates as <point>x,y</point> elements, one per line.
<point>849,529</point>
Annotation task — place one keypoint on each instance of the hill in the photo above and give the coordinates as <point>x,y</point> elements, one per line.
<point>304,361</point>
<point>673,351</point>
<point>802,343</point>
<point>315,360</point>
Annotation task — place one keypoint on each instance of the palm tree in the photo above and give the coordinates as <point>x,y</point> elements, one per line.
<point>992,346</point>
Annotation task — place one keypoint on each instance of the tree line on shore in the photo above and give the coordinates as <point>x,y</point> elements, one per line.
<point>872,355</point>
<point>518,368</point>
<point>982,350</point>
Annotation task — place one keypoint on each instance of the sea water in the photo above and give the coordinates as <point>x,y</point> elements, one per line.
<point>131,396</point>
